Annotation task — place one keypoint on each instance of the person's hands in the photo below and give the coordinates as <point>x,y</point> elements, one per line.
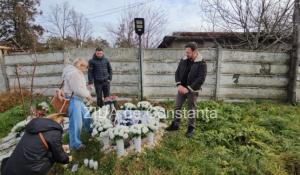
<point>89,98</point>
<point>182,89</point>
<point>60,94</point>
<point>90,86</point>
<point>66,148</point>
<point>70,158</point>
<point>185,90</point>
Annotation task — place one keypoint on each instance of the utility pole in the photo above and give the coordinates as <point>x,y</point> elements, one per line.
<point>295,55</point>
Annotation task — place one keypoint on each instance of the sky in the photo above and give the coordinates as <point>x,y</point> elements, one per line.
<point>182,15</point>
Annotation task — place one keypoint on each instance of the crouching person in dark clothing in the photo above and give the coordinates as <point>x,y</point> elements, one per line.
<point>100,75</point>
<point>39,148</point>
<point>189,77</point>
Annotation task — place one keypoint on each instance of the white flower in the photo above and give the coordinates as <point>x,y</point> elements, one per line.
<point>94,133</point>
<point>103,112</point>
<point>125,136</point>
<point>145,129</point>
<point>100,128</point>
<point>138,129</point>
<point>104,134</point>
<point>128,106</point>
<point>118,132</point>
<point>153,124</point>
<point>44,106</point>
<point>111,133</point>
<point>158,112</point>
<point>100,125</point>
<point>144,105</point>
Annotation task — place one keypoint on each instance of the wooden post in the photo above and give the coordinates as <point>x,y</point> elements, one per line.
<point>66,57</point>
<point>294,60</point>
<point>3,69</point>
<point>19,85</point>
<point>218,72</point>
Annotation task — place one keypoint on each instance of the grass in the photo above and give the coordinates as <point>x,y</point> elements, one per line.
<point>9,118</point>
<point>15,114</point>
<point>11,110</point>
<point>246,138</point>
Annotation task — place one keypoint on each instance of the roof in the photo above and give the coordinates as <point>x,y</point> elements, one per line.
<point>200,37</point>
<point>197,36</point>
<point>207,34</point>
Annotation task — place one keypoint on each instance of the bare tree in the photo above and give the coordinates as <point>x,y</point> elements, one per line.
<point>81,28</point>
<point>31,75</point>
<point>66,23</point>
<point>123,32</point>
<point>60,20</point>
<point>258,24</point>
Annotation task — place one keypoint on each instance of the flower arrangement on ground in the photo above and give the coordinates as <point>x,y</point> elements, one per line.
<point>128,106</point>
<point>144,105</point>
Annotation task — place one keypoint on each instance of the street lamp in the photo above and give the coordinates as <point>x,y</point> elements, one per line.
<point>139,26</point>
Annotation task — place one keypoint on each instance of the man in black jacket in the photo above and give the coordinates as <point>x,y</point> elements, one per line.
<point>100,74</point>
<point>33,155</point>
<point>189,77</point>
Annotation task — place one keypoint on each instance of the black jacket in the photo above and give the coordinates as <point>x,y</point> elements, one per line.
<point>196,76</point>
<point>30,156</point>
<point>99,69</point>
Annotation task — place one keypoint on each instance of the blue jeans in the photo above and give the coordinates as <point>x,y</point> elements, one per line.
<point>78,116</point>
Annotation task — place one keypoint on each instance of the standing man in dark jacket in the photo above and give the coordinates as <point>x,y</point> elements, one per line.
<point>35,155</point>
<point>100,74</point>
<point>189,77</point>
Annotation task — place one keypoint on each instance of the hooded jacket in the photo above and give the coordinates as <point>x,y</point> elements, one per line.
<point>30,156</point>
<point>196,76</point>
<point>74,81</point>
<point>99,70</point>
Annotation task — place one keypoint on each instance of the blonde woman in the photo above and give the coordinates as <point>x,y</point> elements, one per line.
<point>39,148</point>
<point>75,83</point>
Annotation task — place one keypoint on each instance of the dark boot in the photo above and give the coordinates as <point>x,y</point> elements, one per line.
<point>172,127</point>
<point>190,131</point>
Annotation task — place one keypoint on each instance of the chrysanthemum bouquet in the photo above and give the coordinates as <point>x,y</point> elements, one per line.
<point>144,105</point>
<point>153,124</point>
<point>101,113</point>
<point>118,132</point>
<point>128,106</point>
<point>158,112</point>
<point>100,127</point>
<point>138,130</point>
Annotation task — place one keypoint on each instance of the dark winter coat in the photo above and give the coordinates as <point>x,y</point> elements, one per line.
<point>30,156</point>
<point>99,70</point>
<point>196,75</point>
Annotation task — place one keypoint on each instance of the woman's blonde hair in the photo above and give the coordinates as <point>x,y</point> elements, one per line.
<point>79,60</point>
